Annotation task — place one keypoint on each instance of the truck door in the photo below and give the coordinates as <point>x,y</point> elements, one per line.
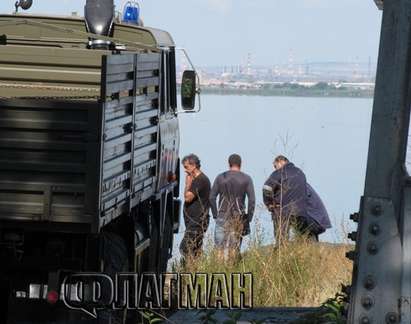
<point>169,128</point>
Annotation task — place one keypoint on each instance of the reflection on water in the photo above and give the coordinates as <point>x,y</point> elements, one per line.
<point>326,137</point>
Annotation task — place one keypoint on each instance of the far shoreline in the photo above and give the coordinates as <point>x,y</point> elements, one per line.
<point>308,93</point>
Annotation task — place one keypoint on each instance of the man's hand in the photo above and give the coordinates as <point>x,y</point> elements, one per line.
<point>189,180</point>
<point>188,195</point>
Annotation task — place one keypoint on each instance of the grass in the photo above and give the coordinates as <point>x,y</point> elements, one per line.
<point>300,273</point>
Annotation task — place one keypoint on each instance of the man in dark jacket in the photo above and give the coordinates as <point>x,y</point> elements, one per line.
<point>316,221</point>
<point>292,201</point>
<point>232,219</point>
<point>284,194</point>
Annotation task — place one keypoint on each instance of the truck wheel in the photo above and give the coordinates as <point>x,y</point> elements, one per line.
<point>115,260</point>
<point>4,300</point>
<point>167,244</point>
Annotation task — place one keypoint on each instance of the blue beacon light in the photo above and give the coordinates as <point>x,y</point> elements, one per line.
<point>131,13</point>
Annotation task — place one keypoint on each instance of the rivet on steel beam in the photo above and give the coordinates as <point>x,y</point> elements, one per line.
<point>367,302</point>
<point>351,255</point>
<point>392,318</point>
<point>375,229</point>
<point>369,282</point>
<point>372,248</point>
<point>355,217</point>
<point>365,320</point>
<point>352,236</point>
<point>377,210</point>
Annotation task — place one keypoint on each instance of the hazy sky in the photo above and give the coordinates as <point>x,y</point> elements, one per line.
<point>222,32</point>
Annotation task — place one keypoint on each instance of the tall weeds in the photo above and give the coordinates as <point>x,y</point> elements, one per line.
<point>298,273</point>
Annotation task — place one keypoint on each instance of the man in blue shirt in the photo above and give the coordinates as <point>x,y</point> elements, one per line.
<point>292,201</point>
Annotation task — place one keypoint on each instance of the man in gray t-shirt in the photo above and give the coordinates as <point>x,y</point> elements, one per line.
<point>231,217</point>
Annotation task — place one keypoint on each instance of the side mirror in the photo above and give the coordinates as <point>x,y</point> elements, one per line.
<point>24,4</point>
<point>188,90</point>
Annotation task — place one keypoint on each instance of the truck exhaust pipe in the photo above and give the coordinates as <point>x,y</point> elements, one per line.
<point>99,17</point>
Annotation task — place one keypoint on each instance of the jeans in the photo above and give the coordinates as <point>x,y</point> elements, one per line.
<point>227,236</point>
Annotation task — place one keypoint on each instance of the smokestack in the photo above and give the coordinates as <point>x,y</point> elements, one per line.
<point>99,16</point>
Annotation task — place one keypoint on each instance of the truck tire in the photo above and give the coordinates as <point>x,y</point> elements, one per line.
<point>4,300</point>
<point>115,260</point>
<point>167,243</point>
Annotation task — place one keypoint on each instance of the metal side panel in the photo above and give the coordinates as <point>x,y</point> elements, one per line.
<point>46,148</point>
<point>130,132</point>
<point>37,71</point>
<point>146,126</point>
<point>117,94</point>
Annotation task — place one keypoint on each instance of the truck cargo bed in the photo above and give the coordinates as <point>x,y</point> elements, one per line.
<point>83,161</point>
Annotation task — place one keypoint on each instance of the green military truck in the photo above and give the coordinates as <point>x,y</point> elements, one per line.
<point>89,154</point>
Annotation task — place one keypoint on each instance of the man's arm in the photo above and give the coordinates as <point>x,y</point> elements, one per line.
<point>188,194</point>
<point>269,189</point>
<point>251,199</point>
<point>215,191</point>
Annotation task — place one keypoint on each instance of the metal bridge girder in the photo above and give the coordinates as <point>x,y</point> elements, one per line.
<point>381,288</point>
<point>376,285</point>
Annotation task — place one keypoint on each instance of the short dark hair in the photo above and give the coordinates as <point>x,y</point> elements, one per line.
<point>281,158</point>
<point>234,159</point>
<point>192,159</point>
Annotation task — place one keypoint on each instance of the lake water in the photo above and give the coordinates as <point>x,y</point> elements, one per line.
<point>326,137</point>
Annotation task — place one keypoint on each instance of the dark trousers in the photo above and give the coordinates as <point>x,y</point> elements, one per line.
<point>303,226</point>
<point>192,243</point>
<point>309,227</point>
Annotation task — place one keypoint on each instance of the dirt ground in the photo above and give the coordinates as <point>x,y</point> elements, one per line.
<point>265,315</point>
